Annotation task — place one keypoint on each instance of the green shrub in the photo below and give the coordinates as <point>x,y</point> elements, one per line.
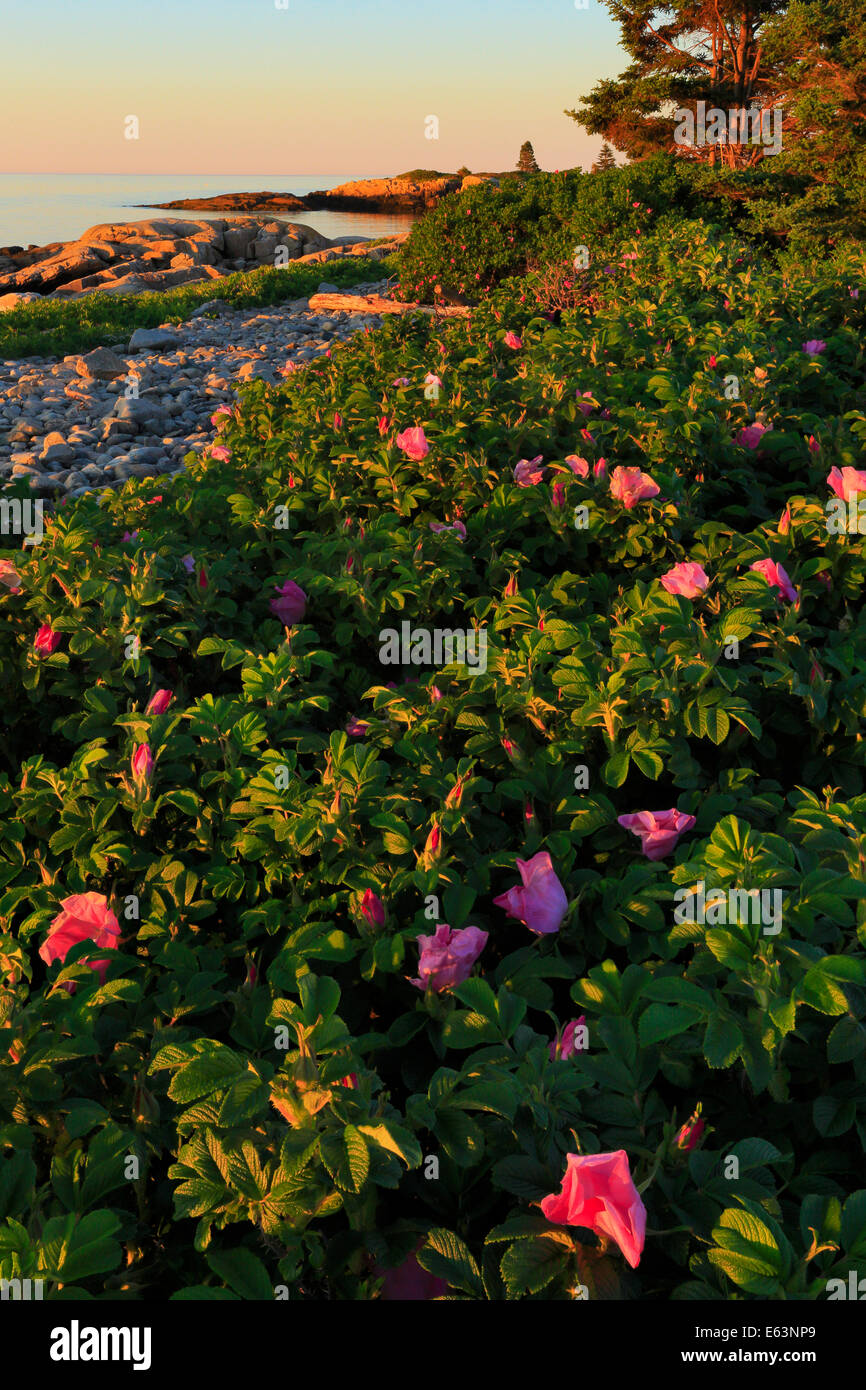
<point>250,987</point>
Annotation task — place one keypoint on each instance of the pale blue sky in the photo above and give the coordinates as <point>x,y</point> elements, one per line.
<point>240,86</point>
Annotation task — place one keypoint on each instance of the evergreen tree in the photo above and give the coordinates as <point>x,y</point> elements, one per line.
<point>605,160</point>
<point>527,163</point>
<point>683,52</point>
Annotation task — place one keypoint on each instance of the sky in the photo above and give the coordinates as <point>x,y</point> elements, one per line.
<point>318,87</point>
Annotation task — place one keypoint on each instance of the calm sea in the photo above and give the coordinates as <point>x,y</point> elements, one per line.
<point>38,208</point>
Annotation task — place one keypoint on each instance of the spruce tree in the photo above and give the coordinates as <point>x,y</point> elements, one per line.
<point>527,163</point>
<point>605,160</point>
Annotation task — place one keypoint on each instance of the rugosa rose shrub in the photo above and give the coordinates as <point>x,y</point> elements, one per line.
<point>314,811</point>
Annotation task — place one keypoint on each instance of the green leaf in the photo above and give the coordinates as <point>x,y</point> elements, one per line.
<point>396,1140</point>
<point>530,1265</point>
<point>358,1155</point>
<point>243,1272</point>
<point>662,1021</point>
<point>212,1071</point>
<point>459,1136</point>
<point>723,1042</point>
<point>17,1184</point>
<point>73,1247</point>
<point>615,770</point>
<point>445,1255</point>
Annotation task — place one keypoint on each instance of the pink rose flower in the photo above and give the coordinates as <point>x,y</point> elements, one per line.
<point>600,469</point>
<point>557,495</point>
<point>814,347</point>
<point>578,465</point>
<point>777,578</point>
<point>658,831</point>
<point>750,436</point>
<point>446,958</point>
<point>217,419</point>
<point>413,442</point>
<point>219,451</point>
<point>400,381</point>
<point>847,482</point>
<point>457,527</point>
<point>142,763</point>
<point>356,728</point>
<point>598,1192</point>
<point>540,901</point>
<point>46,640</point>
<point>290,605</point>
<point>513,341</point>
<point>527,472</point>
<point>583,407</point>
<point>565,1046</point>
<point>10,577</point>
<point>431,379</point>
<point>160,702</point>
<point>372,909</point>
<point>83,917</point>
<point>129,536</point>
<point>630,486</point>
<point>409,1283</point>
<point>686,578</point>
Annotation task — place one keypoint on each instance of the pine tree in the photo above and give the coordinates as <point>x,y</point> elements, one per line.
<point>527,163</point>
<point>605,160</point>
<point>686,52</point>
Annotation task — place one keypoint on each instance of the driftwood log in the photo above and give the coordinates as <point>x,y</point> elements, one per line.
<point>375,304</point>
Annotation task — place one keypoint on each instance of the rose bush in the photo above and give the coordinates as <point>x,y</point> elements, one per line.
<point>310,835</point>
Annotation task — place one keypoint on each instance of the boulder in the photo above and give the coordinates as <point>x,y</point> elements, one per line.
<point>152,340</point>
<point>69,264</point>
<point>55,449</point>
<point>11,301</point>
<point>101,364</point>
<point>264,247</point>
<point>235,241</point>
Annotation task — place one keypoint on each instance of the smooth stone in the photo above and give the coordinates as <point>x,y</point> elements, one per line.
<point>150,339</point>
<point>55,449</point>
<point>101,364</point>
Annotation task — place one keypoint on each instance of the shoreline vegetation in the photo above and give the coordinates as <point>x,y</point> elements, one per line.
<point>673,698</point>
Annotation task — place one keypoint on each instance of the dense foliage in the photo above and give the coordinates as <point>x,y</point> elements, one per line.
<point>477,240</point>
<point>303,1115</point>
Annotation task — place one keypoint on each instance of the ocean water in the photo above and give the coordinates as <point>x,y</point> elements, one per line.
<point>39,208</point>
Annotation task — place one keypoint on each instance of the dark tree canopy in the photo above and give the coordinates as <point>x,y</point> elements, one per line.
<point>802,66</point>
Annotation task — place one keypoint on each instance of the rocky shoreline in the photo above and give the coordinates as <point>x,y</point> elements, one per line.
<point>360,195</point>
<point>158,254</point>
<point>136,409</point>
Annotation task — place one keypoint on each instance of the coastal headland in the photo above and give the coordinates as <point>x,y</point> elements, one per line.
<point>360,195</point>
